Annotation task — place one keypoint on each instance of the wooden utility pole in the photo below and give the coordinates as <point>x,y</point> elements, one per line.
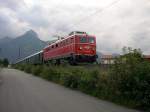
<point>19,53</point>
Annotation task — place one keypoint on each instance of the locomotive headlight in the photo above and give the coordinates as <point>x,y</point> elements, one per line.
<point>81,47</point>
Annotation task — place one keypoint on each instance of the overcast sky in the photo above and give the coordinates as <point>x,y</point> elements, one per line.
<point>115,23</point>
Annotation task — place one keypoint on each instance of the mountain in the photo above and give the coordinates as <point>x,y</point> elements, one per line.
<point>20,47</point>
<point>5,40</point>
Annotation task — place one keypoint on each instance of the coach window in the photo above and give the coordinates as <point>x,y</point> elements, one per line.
<point>66,41</point>
<point>56,45</point>
<point>83,39</point>
<point>69,40</point>
<point>52,46</point>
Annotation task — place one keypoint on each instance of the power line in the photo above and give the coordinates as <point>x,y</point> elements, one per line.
<point>98,11</point>
<point>84,19</point>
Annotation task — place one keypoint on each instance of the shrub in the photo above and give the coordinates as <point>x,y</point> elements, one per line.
<point>88,81</point>
<point>36,70</point>
<point>55,73</point>
<point>28,68</point>
<point>5,62</point>
<point>22,67</point>
<point>64,77</point>
<point>45,73</point>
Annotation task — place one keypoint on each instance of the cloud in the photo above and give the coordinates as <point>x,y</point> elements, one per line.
<point>12,4</point>
<point>9,23</point>
<point>126,23</point>
<point>119,26</point>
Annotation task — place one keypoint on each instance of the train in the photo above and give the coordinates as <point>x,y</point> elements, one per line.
<point>77,47</point>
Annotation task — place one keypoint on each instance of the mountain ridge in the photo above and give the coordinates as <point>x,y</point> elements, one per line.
<point>21,46</point>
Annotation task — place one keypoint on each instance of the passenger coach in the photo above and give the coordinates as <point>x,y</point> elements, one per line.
<point>36,58</point>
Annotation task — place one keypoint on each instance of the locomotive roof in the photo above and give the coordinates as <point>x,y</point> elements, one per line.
<point>66,38</point>
<point>77,32</point>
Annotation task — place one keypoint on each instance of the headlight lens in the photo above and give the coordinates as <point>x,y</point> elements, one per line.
<point>80,47</point>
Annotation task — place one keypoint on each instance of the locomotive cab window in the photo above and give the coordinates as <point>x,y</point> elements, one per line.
<point>83,39</point>
<point>91,40</point>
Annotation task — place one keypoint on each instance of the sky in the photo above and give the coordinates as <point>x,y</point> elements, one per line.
<point>115,23</point>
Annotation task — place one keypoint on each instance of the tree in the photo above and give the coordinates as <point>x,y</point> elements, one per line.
<point>131,76</point>
<point>5,62</point>
<point>0,62</point>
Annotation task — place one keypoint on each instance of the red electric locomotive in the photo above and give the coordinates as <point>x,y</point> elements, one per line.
<point>77,47</point>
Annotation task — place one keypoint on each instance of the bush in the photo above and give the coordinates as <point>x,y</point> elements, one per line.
<point>88,81</point>
<point>27,68</point>
<point>36,70</point>
<point>45,73</point>
<point>22,67</point>
<point>19,66</point>
<point>73,79</point>
<point>55,73</point>
<point>0,62</point>
<point>65,78</point>
<point>70,80</point>
<point>4,62</point>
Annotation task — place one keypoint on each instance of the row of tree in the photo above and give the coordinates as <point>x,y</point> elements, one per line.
<point>4,62</point>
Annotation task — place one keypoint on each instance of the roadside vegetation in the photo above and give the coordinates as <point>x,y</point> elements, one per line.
<point>127,82</point>
<point>4,63</point>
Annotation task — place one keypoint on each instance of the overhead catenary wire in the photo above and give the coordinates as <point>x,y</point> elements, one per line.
<point>94,13</point>
<point>84,19</point>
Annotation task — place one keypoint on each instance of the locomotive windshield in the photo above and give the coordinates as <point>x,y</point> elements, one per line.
<point>91,40</point>
<point>83,39</point>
